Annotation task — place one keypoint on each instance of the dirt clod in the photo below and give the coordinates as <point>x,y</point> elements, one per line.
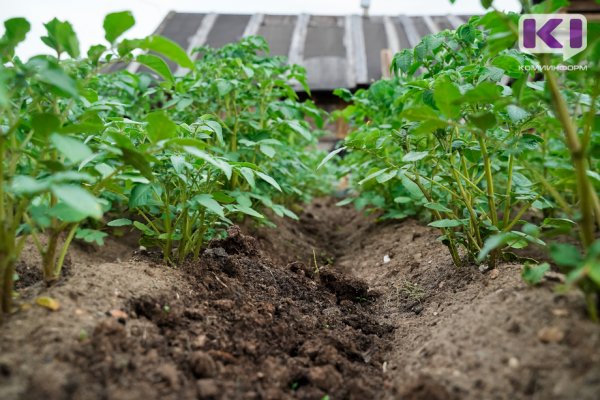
<point>207,388</point>
<point>202,365</point>
<point>343,287</point>
<point>325,377</point>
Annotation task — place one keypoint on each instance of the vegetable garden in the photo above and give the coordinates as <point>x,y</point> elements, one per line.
<point>492,148</point>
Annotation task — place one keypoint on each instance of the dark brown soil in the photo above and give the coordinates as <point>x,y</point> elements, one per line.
<point>256,318</point>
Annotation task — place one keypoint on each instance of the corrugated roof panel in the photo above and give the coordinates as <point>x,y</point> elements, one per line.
<point>402,36</point>
<point>325,37</point>
<point>442,22</point>
<point>337,51</point>
<point>420,26</point>
<point>327,73</point>
<point>324,53</point>
<point>181,27</point>
<point>375,41</point>
<point>228,28</point>
<point>278,30</point>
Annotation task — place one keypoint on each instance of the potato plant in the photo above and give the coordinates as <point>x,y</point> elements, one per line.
<point>469,136</point>
<point>175,157</point>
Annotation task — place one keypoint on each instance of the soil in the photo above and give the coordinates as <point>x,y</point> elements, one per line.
<point>336,304</point>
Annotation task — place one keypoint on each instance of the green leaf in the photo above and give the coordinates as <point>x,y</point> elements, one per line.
<point>559,225</point>
<point>403,200</point>
<point>16,30</point>
<point>216,128</point>
<point>224,87</point>
<point>387,176</point>
<point>139,161</point>
<point>73,149</point>
<point>78,199</point>
<point>248,211</point>
<point>248,174</point>
<point>220,164</point>
<point>549,6</point>
<point>44,124</point>
<point>267,150</point>
<point>95,52</point>
<point>66,213</point>
<point>52,74</point>
<point>494,242</point>
<point>91,236</point>
<point>420,113</point>
<point>485,92</point>
<point>343,94</point>
<point>402,61</point>
<point>510,64</point>
<point>565,255</point>
<point>141,195</point>
<point>372,175</point>
<point>25,185</point>
<point>169,49</point>
<point>160,126</point>
<point>120,222</point>
<point>344,202</point>
<point>516,113</point>
<point>61,37</point>
<point>207,201</point>
<point>330,156</point>
<point>483,120</point>
<point>437,207</point>
<point>115,24</point>
<point>156,64</point>
<point>445,223</point>
<point>144,228</point>
<point>413,156</point>
<point>412,188</point>
<point>298,127</point>
<point>594,271</point>
<point>269,180</point>
<point>533,274</point>
<point>446,96</point>
<point>222,197</point>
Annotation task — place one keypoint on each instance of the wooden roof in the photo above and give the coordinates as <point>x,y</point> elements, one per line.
<point>337,51</point>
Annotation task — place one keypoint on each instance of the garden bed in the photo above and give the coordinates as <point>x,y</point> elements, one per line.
<point>387,315</point>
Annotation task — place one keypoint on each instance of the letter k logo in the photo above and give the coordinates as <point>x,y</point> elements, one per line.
<point>545,33</point>
<point>564,34</point>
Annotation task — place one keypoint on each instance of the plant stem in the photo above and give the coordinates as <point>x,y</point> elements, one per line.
<point>64,250</point>
<point>450,233</point>
<point>586,224</point>
<point>488,178</point>
<point>49,257</point>
<point>591,301</point>
<point>508,191</point>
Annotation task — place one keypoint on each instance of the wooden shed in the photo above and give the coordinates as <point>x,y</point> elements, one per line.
<point>337,51</point>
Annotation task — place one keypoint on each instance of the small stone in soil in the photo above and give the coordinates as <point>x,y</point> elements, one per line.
<point>551,334</point>
<point>417,309</point>
<point>560,312</point>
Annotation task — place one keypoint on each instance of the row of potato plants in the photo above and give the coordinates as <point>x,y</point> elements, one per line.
<point>468,135</point>
<point>87,147</point>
